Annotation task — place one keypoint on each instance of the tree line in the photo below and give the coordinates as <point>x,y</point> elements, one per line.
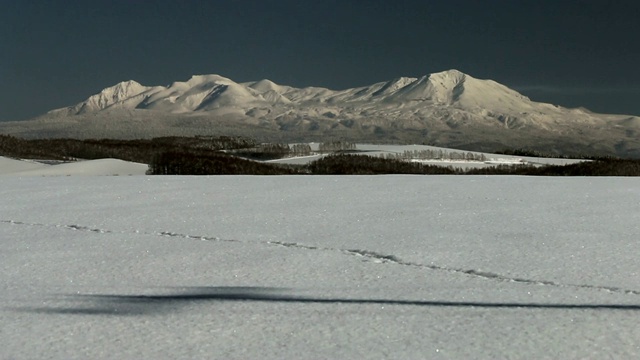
<point>224,155</point>
<point>270,151</point>
<point>141,150</point>
<point>436,154</point>
<point>186,163</point>
<point>349,164</point>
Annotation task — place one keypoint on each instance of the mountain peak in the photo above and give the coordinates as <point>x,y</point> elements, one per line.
<point>264,85</point>
<point>448,77</point>
<point>123,88</point>
<point>394,85</point>
<point>209,78</point>
<point>109,96</point>
<point>451,72</point>
<point>128,83</point>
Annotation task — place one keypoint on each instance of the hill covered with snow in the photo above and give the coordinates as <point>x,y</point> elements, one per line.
<point>100,167</point>
<point>448,108</point>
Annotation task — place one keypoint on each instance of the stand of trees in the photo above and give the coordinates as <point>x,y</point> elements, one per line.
<point>437,155</point>
<point>300,150</point>
<point>271,151</point>
<point>344,164</point>
<point>184,163</point>
<point>265,152</point>
<point>142,150</point>
<point>541,154</point>
<point>600,167</point>
<point>360,164</point>
<point>336,146</point>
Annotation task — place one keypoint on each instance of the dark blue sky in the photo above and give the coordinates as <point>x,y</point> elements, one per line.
<point>56,53</point>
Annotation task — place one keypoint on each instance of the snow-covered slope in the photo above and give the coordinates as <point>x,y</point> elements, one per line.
<point>100,167</point>
<point>448,108</point>
<point>123,95</point>
<point>10,166</point>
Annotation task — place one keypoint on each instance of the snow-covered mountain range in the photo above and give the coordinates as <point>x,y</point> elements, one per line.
<point>448,108</point>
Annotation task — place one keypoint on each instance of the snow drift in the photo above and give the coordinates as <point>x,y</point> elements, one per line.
<point>100,167</point>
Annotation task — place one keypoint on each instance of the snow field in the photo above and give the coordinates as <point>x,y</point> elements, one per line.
<point>319,267</point>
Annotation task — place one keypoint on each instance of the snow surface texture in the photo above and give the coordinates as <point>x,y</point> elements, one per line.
<point>101,167</point>
<point>311,267</point>
<point>448,108</point>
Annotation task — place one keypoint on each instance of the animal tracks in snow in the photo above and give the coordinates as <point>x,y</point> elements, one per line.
<point>364,255</point>
<point>193,237</point>
<point>67,227</point>
<point>391,259</point>
<point>103,231</point>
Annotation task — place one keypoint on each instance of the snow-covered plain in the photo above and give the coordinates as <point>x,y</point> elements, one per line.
<point>313,267</point>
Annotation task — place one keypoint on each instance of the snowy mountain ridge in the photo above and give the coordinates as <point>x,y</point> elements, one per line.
<point>116,94</point>
<point>448,108</point>
<point>206,92</point>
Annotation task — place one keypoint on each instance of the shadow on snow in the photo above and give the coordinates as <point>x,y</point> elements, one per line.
<point>126,305</point>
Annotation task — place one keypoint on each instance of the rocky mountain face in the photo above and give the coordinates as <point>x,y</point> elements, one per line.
<point>448,108</point>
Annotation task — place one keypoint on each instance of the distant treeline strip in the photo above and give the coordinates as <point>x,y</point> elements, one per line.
<point>219,155</point>
<point>142,150</point>
<point>348,164</point>
<point>600,167</point>
<point>183,163</point>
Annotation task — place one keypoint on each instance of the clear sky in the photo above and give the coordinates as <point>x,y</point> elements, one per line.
<point>55,53</point>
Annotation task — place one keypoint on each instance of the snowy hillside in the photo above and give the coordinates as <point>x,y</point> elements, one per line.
<point>319,267</point>
<point>121,95</point>
<point>101,167</point>
<point>448,108</point>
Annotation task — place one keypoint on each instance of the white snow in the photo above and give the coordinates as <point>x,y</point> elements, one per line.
<point>100,167</point>
<point>8,165</point>
<point>439,95</point>
<point>448,107</point>
<point>124,94</point>
<point>311,267</point>
<point>382,150</point>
